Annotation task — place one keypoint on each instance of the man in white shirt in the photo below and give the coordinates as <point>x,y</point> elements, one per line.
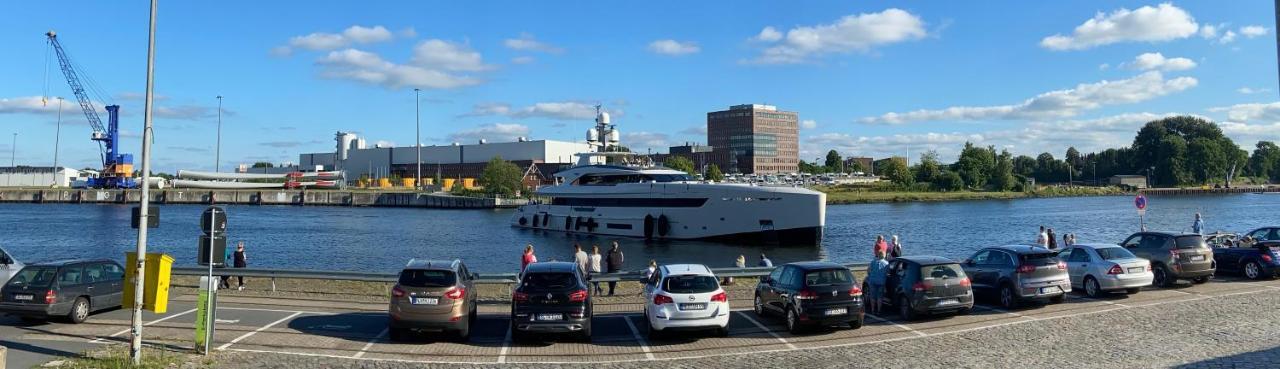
<point>1043,238</point>
<point>580,257</point>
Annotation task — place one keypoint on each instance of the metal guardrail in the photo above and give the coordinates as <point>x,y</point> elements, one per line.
<point>482,278</point>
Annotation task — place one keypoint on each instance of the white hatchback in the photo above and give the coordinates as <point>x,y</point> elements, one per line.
<point>684,297</point>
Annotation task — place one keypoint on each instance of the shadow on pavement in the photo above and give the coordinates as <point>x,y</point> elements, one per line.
<point>1266,358</point>
<point>360,327</point>
<point>18,346</point>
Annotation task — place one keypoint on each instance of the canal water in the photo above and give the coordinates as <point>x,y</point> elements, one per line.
<point>382,239</point>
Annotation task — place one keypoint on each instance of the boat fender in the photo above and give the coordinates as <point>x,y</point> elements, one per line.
<point>577,224</point>
<point>523,221</point>
<point>664,225</point>
<point>568,222</point>
<point>535,221</point>
<point>545,219</point>
<point>648,227</point>
<point>591,224</point>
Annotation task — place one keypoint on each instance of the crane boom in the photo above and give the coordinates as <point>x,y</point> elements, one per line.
<point>117,169</point>
<point>73,79</point>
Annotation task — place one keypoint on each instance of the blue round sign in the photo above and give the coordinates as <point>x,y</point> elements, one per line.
<point>1140,202</point>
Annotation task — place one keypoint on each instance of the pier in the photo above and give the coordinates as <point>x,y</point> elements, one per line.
<point>257,197</point>
<point>1208,191</point>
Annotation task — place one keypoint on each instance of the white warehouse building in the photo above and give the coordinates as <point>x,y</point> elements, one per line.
<point>451,161</point>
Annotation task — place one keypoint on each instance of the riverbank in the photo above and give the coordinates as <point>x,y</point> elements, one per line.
<point>852,195</point>
<point>357,197</point>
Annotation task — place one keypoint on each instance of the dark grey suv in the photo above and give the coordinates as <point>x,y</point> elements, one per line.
<point>71,289</point>
<point>927,285</point>
<point>1173,256</point>
<point>1018,273</point>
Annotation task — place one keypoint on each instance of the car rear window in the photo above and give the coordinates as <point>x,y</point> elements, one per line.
<point>1047,258</point>
<point>1189,242</point>
<point>1114,253</point>
<point>549,281</point>
<point>828,277</point>
<point>427,278</point>
<point>690,284</point>
<point>38,277</point>
<point>941,271</point>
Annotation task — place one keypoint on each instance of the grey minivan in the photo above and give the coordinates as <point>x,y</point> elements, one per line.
<point>71,289</point>
<point>1018,273</point>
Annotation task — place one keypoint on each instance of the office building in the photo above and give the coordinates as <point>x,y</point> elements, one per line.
<point>759,139</point>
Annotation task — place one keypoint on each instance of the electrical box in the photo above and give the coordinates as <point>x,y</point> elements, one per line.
<point>155,290</point>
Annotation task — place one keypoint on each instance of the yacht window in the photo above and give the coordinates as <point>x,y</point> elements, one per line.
<point>669,177</point>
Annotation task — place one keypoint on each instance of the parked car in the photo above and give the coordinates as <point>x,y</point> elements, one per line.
<point>811,294</point>
<point>1173,256</point>
<point>1255,261</point>
<point>9,266</point>
<point>1101,268</point>
<point>552,298</point>
<point>918,285</point>
<point>1018,273</point>
<point>72,289</point>
<point>685,297</point>
<point>1265,234</point>
<point>433,296</point>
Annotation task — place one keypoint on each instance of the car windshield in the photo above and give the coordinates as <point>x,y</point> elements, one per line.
<point>427,278</point>
<point>690,284</point>
<point>38,277</point>
<point>941,271</point>
<point>1114,253</point>
<point>549,281</point>
<point>828,277</point>
<point>1047,258</point>
<point>1189,242</point>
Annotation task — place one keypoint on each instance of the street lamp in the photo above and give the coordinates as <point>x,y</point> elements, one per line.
<point>417,137</point>
<point>217,153</point>
<point>57,136</point>
<point>12,154</point>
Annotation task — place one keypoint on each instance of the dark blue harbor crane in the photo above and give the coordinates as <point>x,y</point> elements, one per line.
<point>117,168</point>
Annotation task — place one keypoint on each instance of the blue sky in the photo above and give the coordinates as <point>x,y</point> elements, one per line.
<point>868,78</point>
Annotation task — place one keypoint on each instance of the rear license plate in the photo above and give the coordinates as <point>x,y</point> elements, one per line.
<point>425,301</point>
<point>24,297</point>
<point>837,311</point>
<point>697,306</point>
<point>1137,270</point>
<point>1049,290</point>
<point>548,317</point>
<point>948,302</point>
<point>1197,257</point>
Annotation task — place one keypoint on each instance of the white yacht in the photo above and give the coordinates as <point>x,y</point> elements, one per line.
<point>635,199</point>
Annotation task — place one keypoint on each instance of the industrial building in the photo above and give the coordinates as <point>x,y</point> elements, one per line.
<point>24,176</point>
<point>760,139</point>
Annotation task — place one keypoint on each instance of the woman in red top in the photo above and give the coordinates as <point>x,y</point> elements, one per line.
<point>881,246</point>
<point>528,258</point>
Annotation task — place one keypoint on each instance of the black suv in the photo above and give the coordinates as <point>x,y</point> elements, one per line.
<point>811,293</point>
<point>927,285</point>
<point>71,289</point>
<point>552,298</point>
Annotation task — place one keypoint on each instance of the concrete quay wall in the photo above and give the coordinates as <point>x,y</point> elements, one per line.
<point>254,197</point>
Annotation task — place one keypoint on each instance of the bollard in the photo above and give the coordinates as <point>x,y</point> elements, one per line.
<point>273,288</point>
<point>3,356</point>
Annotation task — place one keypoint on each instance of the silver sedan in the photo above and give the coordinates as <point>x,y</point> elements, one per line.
<point>1102,268</point>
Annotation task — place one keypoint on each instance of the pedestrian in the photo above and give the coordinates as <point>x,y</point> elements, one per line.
<point>1042,238</point>
<point>580,257</point>
<point>876,273</point>
<point>595,266</point>
<point>1066,240</point>
<point>653,268</point>
<point>224,282</point>
<point>239,260</point>
<point>741,262</point>
<point>1198,226</point>
<point>881,247</point>
<point>614,264</point>
<point>895,248</point>
<point>529,257</point>
<point>1053,240</point>
<point>764,261</point>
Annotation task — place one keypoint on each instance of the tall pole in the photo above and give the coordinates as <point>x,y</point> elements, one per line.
<point>57,136</point>
<point>135,342</point>
<point>217,152</point>
<point>417,121</point>
<point>13,153</point>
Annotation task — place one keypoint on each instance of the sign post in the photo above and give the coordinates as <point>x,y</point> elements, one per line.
<point>213,222</point>
<point>1141,203</point>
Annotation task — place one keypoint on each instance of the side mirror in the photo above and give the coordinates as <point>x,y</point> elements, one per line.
<point>766,280</point>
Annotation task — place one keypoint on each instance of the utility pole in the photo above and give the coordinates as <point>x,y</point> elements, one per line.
<point>57,136</point>
<point>13,153</point>
<point>417,121</point>
<point>217,152</point>
<point>135,341</point>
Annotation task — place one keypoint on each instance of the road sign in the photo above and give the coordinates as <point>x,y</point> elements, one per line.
<point>218,254</point>
<point>1140,202</point>
<point>213,220</point>
<point>153,217</point>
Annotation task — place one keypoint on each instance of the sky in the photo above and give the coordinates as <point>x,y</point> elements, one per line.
<point>867,78</point>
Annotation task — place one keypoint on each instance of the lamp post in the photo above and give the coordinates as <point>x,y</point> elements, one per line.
<point>135,339</point>
<point>57,136</point>
<point>13,153</point>
<point>417,146</point>
<point>217,152</point>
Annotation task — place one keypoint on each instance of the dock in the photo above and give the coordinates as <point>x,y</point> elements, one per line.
<point>1208,191</point>
<point>257,197</point>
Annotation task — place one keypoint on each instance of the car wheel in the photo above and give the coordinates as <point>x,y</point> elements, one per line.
<point>464,333</point>
<point>759,307</point>
<point>904,309</point>
<point>1200,280</point>
<point>1008,297</point>
<point>1091,287</point>
<point>1133,291</point>
<point>856,322</point>
<point>586,333</point>
<point>79,311</point>
<point>793,321</point>
<point>1161,277</point>
<point>1252,270</point>
<point>516,335</point>
<point>395,334</point>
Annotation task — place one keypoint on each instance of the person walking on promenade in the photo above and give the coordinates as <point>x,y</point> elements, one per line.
<point>764,261</point>
<point>595,266</point>
<point>580,257</point>
<point>1198,226</point>
<point>653,268</point>
<point>528,258</point>
<point>1053,240</point>
<point>875,281</point>
<point>881,247</point>
<point>741,262</point>
<point>895,248</point>
<point>239,260</point>
<point>1042,238</point>
<point>614,264</point>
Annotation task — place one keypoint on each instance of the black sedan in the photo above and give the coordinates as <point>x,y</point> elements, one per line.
<point>72,289</point>
<point>552,298</point>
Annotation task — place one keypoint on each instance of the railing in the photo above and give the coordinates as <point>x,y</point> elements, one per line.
<point>482,278</point>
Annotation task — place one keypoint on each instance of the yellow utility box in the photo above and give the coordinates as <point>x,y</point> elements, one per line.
<point>468,183</point>
<point>407,182</point>
<point>448,183</point>
<point>384,182</point>
<point>155,291</point>
<point>428,181</point>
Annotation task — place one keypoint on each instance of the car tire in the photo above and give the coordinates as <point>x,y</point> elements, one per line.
<point>1091,287</point>
<point>904,309</point>
<point>793,321</point>
<point>759,307</point>
<point>1200,280</point>
<point>516,335</point>
<point>1162,278</point>
<point>464,333</point>
<point>395,334</point>
<point>585,335</point>
<point>1133,291</point>
<point>856,322</point>
<point>79,311</point>
<point>1252,270</point>
<point>1008,297</point>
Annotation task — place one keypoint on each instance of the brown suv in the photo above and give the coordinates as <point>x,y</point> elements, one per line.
<point>433,296</point>
<point>1173,256</point>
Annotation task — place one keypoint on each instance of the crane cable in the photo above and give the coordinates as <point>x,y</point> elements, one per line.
<point>44,96</point>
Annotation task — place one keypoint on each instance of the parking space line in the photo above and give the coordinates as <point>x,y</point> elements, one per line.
<point>905,328</point>
<point>1182,292</point>
<point>103,339</point>
<point>263,328</point>
<point>644,346</point>
<point>370,344</point>
<point>1086,298</point>
<point>1003,311</point>
<point>767,330</point>
<point>506,345</point>
<point>276,310</point>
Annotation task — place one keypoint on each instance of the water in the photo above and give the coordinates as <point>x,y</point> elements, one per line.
<point>382,239</point>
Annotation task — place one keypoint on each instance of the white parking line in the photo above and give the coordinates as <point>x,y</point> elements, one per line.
<point>644,346</point>
<point>370,344</point>
<point>506,345</point>
<point>1003,311</point>
<point>903,327</point>
<point>1086,298</point>
<point>276,310</point>
<point>263,328</point>
<point>103,339</point>
<point>766,329</point>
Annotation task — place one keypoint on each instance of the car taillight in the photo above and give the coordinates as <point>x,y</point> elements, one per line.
<point>1062,266</point>
<point>806,295</point>
<point>662,299</point>
<point>855,291</point>
<point>578,296</point>
<point>919,287</point>
<point>1115,269</point>
<point>1173,254</point>
<point>720,297</point>
<point>50,297</point>
<point>965,282</point>
<point>1026,268</point>
<point>456,293</point>
<point>395,291</point>
<point>1266,258</point>
<point>519,296</point>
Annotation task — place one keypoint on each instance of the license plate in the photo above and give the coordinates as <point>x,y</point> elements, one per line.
<point>948,302</point>
<point>548,317</point>
<point>24,297</point>
<point>1049,289</point>
<point>697,306</point>
<point>1197,257</point>
<point>1137,270</point>
<point>838,311</point>
<point>425,301</point>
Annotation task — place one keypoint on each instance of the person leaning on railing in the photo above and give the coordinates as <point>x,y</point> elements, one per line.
<point>613,264</point>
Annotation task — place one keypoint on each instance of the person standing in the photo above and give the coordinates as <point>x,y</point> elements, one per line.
<point>239,260</point>
<point>580,257</point>
<point>895,248</point>
<point>595,266</point>
<point>875,281</point>
<point>1066,240</point>
<point>614,264</point>
<point>741,262</point>
<point>1198,226</point>
<point>1042,238</point>
<point>881,246</point>
<point>764,261</point>
<point>528,258</point>
<point>1053,240</point>
<point>653,268</point>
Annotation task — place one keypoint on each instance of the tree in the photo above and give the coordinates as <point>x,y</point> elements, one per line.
<point>679,163</point>
<point>833,161</point>
<point>896,171</point>
<point>1167,144</point>
<point>856,167</point>
<point>714,173</point>
<point>948,181</point>
<point>929,167</point>
<point>1002,174</point>
<point>263,164</point>
<point>807,167</point>
<point>1265,162</point>
<point>1206,160</point>
<point>501,177</point>
<point>975,164</point>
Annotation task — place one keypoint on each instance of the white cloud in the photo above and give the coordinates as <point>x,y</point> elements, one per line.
<point>1209,31</point>
<point>560,110</point>
<point>366,35</point>
<point>1269,112</point>
<point>808,124</point>
<point>522,60</point>
<point>448,56</point>
<point>1104,66</point>
<point>384,143</point>
<point>367,67</point>
<point>330,41</point>
<point>1157,61</point>
<point>1251,91</point>
<point>1054,104</point>
<point>698,130</point>
<point>638,141</point>
<point>851,33</point>
<point>1228,37</point>
<point>1164,22</point>
<point>407,32</point>
<point>1253,31</point>
<point>673,47</point>
<point>526,42</point>
<point>38,105</point>
<point>497,132</point>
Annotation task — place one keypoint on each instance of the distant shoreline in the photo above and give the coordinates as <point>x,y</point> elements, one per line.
<point>847,197</point>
